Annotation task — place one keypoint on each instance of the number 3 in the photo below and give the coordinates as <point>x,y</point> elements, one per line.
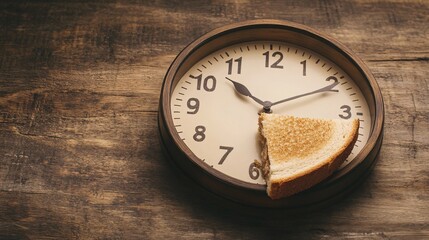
<point>346,109</point>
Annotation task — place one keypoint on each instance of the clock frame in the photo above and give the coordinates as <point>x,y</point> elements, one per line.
<point>231,189</point>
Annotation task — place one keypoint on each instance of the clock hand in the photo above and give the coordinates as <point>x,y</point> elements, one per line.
<point>240,88</point>
<point>324,89</point>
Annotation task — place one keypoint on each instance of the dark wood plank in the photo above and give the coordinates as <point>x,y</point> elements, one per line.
<point>79,149</point>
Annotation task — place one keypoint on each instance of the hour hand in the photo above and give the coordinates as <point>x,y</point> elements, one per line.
<point>240,88</point>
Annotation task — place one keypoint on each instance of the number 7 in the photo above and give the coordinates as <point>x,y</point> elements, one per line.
<point>228,151</point>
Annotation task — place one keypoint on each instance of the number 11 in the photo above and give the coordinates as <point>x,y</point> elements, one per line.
<point>238,61</point>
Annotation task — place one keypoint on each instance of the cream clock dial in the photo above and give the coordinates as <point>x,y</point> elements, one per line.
<point>220,126</point>
<point>216,87</point>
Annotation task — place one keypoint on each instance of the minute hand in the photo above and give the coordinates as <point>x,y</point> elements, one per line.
<point>324,89</point>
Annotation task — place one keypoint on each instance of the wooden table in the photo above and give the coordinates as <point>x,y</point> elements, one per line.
<point>79,149</point>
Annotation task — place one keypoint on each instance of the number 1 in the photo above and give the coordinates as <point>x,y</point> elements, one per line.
<point>304,67</point>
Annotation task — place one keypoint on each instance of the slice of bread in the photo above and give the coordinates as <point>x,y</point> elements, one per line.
<point>298,153</point>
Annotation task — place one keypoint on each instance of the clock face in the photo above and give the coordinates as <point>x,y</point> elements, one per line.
<point>220,125</point>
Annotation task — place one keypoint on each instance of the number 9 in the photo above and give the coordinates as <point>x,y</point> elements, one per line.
<point>194,105</point>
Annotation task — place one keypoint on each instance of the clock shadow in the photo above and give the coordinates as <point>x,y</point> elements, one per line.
<point>180,194</point>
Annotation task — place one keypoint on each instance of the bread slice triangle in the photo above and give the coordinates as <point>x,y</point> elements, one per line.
<point>297,153</point>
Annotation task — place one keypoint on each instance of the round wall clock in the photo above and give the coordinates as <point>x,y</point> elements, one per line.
<point>216,87</point>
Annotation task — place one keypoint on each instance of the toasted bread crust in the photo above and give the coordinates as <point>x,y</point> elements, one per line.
<point>288,186</point>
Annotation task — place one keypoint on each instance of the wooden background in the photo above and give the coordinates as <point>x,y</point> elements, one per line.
<point>79,147</point>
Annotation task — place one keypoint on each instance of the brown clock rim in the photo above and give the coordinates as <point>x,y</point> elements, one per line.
<point>216,37</point>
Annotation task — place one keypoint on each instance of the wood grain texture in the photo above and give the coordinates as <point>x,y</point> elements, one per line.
<point>79,148</point>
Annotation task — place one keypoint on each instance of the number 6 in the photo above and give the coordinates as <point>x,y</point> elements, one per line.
<point>254,171</point>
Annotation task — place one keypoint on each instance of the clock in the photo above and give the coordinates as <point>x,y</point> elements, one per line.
<point>218,85</point>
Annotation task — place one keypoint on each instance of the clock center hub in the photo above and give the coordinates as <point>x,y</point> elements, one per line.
<point>267,107</point>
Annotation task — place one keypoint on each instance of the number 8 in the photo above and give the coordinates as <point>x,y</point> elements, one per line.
<point>199,135</point>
